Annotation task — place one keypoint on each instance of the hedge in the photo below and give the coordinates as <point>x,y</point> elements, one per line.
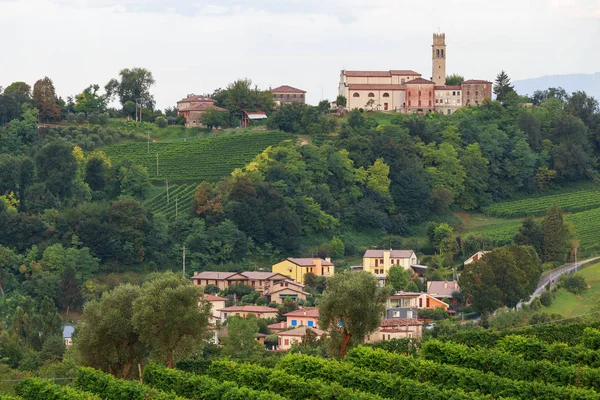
<point>381,383</point>
<point>510,366</point>
<point>5,397</point>
<point>532,349</point>
<point>110,388</point>
<point>43,389</point>
<point>453,377</point>
<point>293,387</point>
<point>201,387</point>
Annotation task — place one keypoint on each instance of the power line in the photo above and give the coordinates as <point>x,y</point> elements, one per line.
<point>553,321</point>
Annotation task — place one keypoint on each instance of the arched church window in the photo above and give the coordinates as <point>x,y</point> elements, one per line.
<point>356,95</point>
<point>386,95</point>
<point>371,95</point>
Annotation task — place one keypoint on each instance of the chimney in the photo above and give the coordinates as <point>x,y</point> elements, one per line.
<point>445,285</point>
<point>195,272</point>
<point>328,259</point>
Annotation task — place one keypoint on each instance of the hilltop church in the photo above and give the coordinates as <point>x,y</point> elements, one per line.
<point>407,91</point>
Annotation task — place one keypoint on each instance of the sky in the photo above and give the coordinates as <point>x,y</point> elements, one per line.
<point>196,46</point>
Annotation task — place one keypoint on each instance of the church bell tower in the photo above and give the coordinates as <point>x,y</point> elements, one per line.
<point>438,51</point>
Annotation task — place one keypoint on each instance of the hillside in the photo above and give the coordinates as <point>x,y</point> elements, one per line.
<point>568,304</point>
<point>590,83</point>
<point>195,159</point>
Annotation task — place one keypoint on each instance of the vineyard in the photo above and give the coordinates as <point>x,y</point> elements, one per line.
<point>491,366</point>
<point>573,201</point>
<point>177,201</point>
<point>196,160</point>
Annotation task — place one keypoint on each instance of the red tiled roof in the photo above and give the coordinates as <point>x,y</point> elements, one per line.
<point>301,331</point>
<point>402,295</point>
<point>211,297</point>
<point>287,89</point>
<point>278,325</point>
<point>447,87</point>
<point>260,275</point>
<point>195,98</point>
<point>392,330</point>
<point>291,288</point>
<point>254,309</point>
<point>213,275</point>
<point>312,312</point>
<point>374,86</point>
<point>396,322</point>
<point>404,72</point>
<point>442,288</point>
<point>376,253</point>
<point>201,107</point>
<point>307,262</point>
<point>368,73</point>
<point>475,81</point>
<point>420,81</point>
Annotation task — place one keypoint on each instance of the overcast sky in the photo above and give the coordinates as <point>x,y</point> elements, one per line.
<point>195,46</point>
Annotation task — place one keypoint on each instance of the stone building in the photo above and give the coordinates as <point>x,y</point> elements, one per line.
<point>193,107</point>
<point>407,91</point>
<point>287,94</point>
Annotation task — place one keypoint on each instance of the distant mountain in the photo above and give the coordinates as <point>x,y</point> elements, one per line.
<point>589,83</point>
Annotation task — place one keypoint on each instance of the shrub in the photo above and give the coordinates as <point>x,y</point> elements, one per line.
<point>546,298</point>
<point>161,122</point>
<point>40,389</point>
<point>591,338</point>
<point>574,283</point>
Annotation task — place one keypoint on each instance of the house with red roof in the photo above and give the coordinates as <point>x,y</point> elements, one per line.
<point>193,107</point>
<point>297,268</point>
<point>286,94</point>
<point>244,311</point>
<point>286,339</point>
<point>396,328</point>
<point>216,303</point>
<point>258,280</point>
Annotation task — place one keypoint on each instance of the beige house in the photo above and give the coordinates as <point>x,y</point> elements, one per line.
<point>193,107</point>
<point>287,289</point>
<point>286,339</point>
<point>260,281</point>
<point>379,262</point>
<point>448,99</point>
<point>307,316</point>
<point>475,257</point>
<point>396,328</point>
<point>413,300</point>
<point>286,94</point>
<point>244,311</point>
<point>216,303</point>
<point>296,268</point>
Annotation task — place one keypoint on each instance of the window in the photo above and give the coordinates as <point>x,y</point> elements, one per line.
<point>294,322</point>
<point>419,93</point>
<point>409,314</point>
<point>301,96</point>
<point>371,95</point>
<point>288,96</point>
<point>386,95</point>
<point>294,96</point>
<point>396,314</point>
<point>286,342</point>
<point>310,324</point>
<point>356,95</point>
<point>476,94</point>
<point>402,81</point>
<point>453,93</point>
<point>419,103</point>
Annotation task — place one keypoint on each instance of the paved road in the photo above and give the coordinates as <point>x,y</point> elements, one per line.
<point>553,276</point>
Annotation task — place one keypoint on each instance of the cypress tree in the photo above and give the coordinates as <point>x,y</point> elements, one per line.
<point>554,234</point>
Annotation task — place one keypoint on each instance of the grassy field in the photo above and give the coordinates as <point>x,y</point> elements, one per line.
<point>569,305</point>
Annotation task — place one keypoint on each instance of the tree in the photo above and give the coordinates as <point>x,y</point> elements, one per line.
<point>89,101</point>
<point>134,84</point>
<point>106,339</point>
<point>378,177</point>
<point>241,340</point>
<point>502,278</point>
<point>352,306</point>
<point>502,86</point>
<point>398,277</point>
<point>161,122</point>
<point>56,168</point>
<point>70,291</point>
<point>214,118</point>
<point>531,233</point>
<point>129,179</point>
<point>340,101</point>
<point>240,95</point>
<point>476,181</point>
<point>454,80</point>
<point>170,316</point>
<point>337,248</point>
<point>45,99</point>
<point>20,92</point>
<point>554,235</point>
<point>96,171</point>
<point>323,107</point>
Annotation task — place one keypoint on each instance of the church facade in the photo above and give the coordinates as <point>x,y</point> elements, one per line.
<point>407,91</point>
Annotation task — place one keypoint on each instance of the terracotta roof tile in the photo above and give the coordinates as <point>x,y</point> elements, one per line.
<point>201,107</point>
<point>420,81</point>
<point>368,73</point>
<point>397,322</point>
<point>375,86</point>
<point>404,72</point>
<point>475,81</point>
<point>442,288</point>
<point>376,253</point>
<point>213,275</point>
<point>195,98</point>
<point>312,312</point>
<point>286,89</point>
<point>301,331</point>
<point>211,297</point>
<point>253,309</point>
<point>448,87</point>
<point>307,262</point>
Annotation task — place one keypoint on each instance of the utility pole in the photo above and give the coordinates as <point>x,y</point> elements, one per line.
<point>156,164</point>
<point>167,191</point>
<point>184,261</point>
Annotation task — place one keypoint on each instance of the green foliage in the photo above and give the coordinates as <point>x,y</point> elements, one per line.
<point>169,317</point>
<point>502,278</point>
<point>337,248</point>
<point>240,95</point>
<point>109,388</point>
<point>293,387</point>
<point>398,277</point>
<point>39,389</point>
<point>591,338</point>
<point>453,377</point>
<point>574,283</point>
<point>241,340</point>
<point>352,305</point>
<point>435,314</point>
<point>201,387</point>
<point>89,101</point>
<point>454,80</point>
<point>502,87</point>
<point>214,118</point>
<point>161,122</point>
<point>134,84</point>
<point>195,159</point>
<point>554,235</point>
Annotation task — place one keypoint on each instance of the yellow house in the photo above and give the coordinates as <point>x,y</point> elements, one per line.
<point>379,262</point>
<point>296,268</point>
<point>259,312</point>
